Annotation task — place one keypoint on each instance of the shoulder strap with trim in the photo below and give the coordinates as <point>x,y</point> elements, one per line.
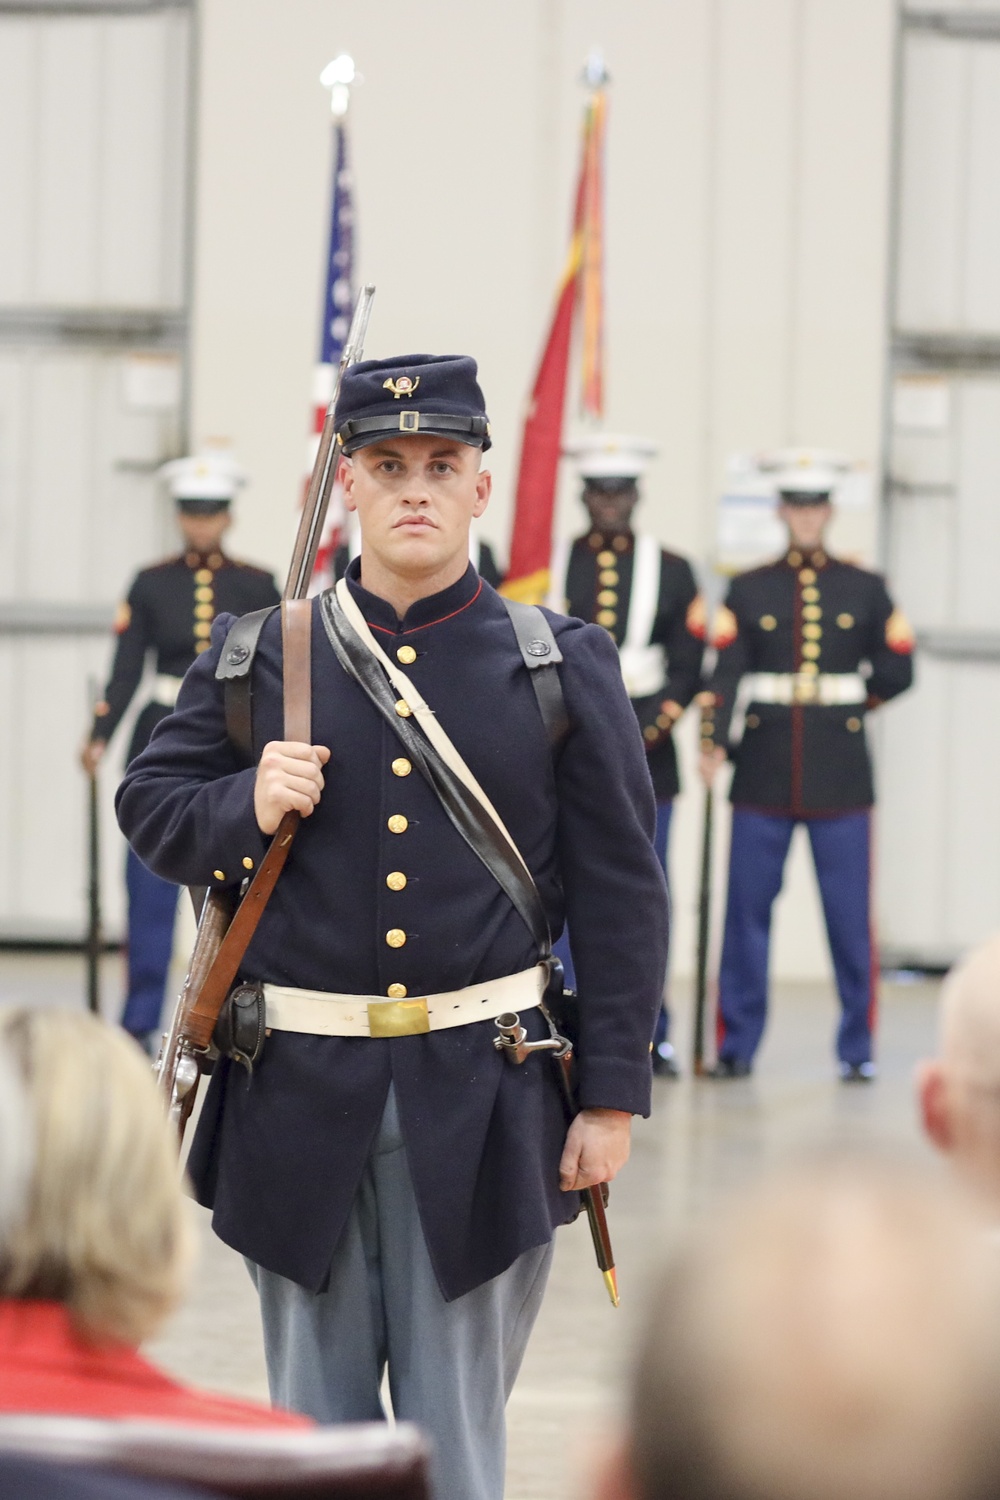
<point>235,672</point>
<point>541,656</point>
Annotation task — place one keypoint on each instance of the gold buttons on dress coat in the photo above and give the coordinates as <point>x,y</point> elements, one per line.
<point>795,559</point>
<point>396,880</point>
<point>807,575</point>
<point>406,655</point>
<point>650,733</point>
<point>845,621</point>
<point>396,992</point>
<point>397,823</point>
<point>607,596</point>
<point>812,632</point>
<point>810,596</point>
<point>753,721</point>
<point>204,575</point>
<point>401,767</point>
<point>395,937</point>
<point>403,709</point>
<point>854,725</point>
<point>247,862</point>
<point>204,595</point>
<point>606,617</point>
<point>200,646</point>
<point>809,669</point>
<point>203,611</point>
<point>202,628</point>
<point>811,612</point>
<point>810,650</point>
<point>607,577</point>
<point>768,622</point>
<point>219,874</point>
<point>606,559</point>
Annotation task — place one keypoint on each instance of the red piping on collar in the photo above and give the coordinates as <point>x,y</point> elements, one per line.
<point>386,631</point>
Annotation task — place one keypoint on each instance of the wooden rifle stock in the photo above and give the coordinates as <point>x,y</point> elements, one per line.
<point>227,924</point>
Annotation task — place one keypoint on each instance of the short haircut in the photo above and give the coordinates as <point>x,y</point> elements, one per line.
<point>104,1228</point>
<point>831,1335</point>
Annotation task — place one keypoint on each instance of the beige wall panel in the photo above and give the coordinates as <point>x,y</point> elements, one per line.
<point>71,77</point>
<point>18,160</point>
<point>981,288</point>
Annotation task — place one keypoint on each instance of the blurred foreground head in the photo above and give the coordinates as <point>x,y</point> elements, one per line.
<point>959,1091</point>
<point>101,1226</point>
<point>831,1335</point>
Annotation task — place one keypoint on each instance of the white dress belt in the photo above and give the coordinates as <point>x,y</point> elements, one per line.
<point>826,688</point>
<point>165,689</point>
<point>317,1013</point>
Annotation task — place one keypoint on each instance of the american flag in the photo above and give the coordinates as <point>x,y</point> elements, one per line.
<point>338,301</point>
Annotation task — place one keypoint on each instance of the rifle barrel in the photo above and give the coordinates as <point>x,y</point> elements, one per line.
<point>93,897</point>
<point>704,933</point>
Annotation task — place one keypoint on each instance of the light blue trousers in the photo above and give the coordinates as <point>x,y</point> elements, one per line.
<point>451,1365</point>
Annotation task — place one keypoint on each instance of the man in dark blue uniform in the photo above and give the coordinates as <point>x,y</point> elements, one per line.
<point>816,644</point>
<point>392,1181</point>
<point>168,613</point>
<point>647,600</point>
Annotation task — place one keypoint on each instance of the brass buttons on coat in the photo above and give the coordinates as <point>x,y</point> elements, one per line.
<point>397,823</point>
<point>768,622</point>
<point>204,595</point>
<point>607,577</point>
<point>753,721</point>
<point>809,669</point>
<point>854,725</point>
<point>807,575</point>
<point>403,709</point>
<point>607,596</point>
<point>606,559</point>
<point>812,632</point>
<point>811,612</point>
<point>218,874</point>
<point>650,733</point>
<point>406,655</point>
<point>810,650</point>
<point>396,992</point>
<point>810,596</point>
<point>401,767</point>
<point>795,559</point>
<point>203,612</point>
<point>395,937</point>
<point>845,621</point>
<point>396,880</point>
<point>247,862</point>
<point>203,575</point>
<point>606,617</point>
<point>202,628</point>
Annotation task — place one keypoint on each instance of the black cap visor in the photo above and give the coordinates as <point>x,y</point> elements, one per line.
<point>804,497</point>
<point>201,507</point>
<point>361,432</point>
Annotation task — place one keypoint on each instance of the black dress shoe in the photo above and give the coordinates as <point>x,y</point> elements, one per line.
<point>729,1067</point>
<point>665,1064</point>
<point>865,1072</point>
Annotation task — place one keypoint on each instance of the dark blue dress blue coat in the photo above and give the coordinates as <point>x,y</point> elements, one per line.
<point>278,1157</point>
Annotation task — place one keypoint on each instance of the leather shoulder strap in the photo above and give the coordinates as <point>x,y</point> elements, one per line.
<point>541,656</point>
<point>235,672</point>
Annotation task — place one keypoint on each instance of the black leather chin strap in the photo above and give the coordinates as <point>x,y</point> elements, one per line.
<point>464,809</point>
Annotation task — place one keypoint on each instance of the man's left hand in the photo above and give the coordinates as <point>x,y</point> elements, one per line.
<point>596,1149</point>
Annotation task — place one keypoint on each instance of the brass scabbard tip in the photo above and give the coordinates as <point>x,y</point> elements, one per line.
<point>611,1282</point>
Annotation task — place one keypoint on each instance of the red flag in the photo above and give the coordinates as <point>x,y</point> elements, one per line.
<point>531,540</point>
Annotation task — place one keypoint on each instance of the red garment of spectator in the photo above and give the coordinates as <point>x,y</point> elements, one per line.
<point>47,1368</point>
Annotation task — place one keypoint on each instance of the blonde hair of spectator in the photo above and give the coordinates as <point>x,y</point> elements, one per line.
<point>15,1145</point>
<point>105,1229</point>
<point>832,1334</point>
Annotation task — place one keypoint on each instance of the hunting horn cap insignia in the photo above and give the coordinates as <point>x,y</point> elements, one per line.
<point>404,386</point>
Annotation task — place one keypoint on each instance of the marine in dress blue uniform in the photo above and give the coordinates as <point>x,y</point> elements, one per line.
<point>168,613</point>
<point>817,644</point>
<point>396,1195</point>
<point>647,600</point>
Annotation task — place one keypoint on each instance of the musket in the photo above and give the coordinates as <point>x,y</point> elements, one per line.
<point>512,1041</point>
<point>704,934</point>
<point>225,923</point>
<point>93,888</point>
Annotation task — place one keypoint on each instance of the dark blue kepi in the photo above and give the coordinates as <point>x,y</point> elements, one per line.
<point>435,394</point>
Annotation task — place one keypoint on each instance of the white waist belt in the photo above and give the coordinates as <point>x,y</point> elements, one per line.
<point>826,688</point>
<point>165,689</point>
<point>318,1013</point>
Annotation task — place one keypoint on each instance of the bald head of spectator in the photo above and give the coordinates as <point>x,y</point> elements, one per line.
<point>959,1091</point>
<point>832,1335</point>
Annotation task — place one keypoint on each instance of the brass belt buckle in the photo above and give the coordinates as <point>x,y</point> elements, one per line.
<point>804,689</point>
<point>398,1017</point>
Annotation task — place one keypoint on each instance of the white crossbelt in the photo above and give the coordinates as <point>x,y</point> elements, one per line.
<point>318,1013</point>
<point>826,688</point>
<point>165,689</point>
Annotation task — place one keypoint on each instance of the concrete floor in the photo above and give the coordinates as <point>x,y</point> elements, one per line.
<point>702,1138</point>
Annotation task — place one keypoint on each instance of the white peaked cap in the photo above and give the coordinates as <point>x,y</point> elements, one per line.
<point>211,475</point>
<point>609,455</point>
<point>804,471</point>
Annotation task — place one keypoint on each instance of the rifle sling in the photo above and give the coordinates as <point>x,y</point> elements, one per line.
<point>466,812</point>
<point>296,631</point>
